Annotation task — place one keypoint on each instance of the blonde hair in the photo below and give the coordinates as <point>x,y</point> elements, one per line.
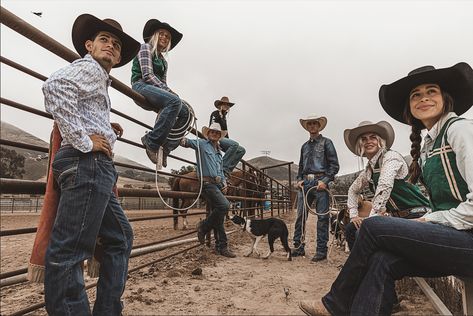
<point>361,150</point>
<point>153,41</point>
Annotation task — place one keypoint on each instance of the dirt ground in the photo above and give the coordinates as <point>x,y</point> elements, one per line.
<point>238,286</point>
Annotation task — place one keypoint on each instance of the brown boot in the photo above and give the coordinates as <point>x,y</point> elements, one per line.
<point>313,308</point>
<point>227,253</point>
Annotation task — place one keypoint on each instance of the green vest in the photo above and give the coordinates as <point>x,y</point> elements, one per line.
<point>440,174</point>
<point>404,195</point>
<point>159,68</point>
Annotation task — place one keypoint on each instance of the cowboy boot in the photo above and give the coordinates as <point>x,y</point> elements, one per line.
<point>313,308</point>
<point>227,253</point>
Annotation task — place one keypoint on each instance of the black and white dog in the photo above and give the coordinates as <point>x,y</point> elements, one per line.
<point>259,228</point>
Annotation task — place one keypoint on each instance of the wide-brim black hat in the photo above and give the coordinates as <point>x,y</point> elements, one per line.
<point>153,25</point>
<point>87,25</point>
<point>456,80</point>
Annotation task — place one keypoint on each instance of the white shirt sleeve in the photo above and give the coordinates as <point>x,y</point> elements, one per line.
<point>354,192</point>
<point>460,138</point>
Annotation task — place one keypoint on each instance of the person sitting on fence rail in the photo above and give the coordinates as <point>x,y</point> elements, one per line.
<point>148,77</point>
<point>439,243</point>
<point>233,151</point>
<point>210,168</point>
<point>385,174</point>
<point>77,97</point>
<point>318,165</point>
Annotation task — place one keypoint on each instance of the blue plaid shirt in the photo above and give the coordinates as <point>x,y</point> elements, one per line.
<point>77,97</point>
<point>143,65</point>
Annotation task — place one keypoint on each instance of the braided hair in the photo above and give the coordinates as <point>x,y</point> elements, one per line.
<point>415,137</point>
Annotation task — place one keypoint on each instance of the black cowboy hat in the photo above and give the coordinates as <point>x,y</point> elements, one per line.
<point>87,25</point>
<point>153,25</point>
<point>223,100</point>
<point>456,80</point>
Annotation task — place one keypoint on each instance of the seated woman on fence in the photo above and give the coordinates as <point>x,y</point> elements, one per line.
<point>439,243</point>
<point>149,79</point>
<point>385,175</point>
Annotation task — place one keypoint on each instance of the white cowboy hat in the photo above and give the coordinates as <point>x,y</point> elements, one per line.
<point>312,117</point>
<point>213,127</point>
<point>382,128</point>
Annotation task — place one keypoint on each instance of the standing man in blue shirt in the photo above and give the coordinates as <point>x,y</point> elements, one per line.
<point>214,185</point>
<point>77,97</point>
<point>318,165</point>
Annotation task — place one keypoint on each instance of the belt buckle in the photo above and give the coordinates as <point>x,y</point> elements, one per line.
<point>218,179</point>
<point>310,176</point>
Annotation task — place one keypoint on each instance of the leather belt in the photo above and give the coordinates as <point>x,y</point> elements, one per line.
<point>311,176</point>
<point>214,180</point>
<point>415,212</point>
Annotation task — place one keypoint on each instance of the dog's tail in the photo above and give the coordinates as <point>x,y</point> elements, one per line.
<point>285,243</point>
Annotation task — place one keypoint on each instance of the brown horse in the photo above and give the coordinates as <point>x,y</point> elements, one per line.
<point>235,183</point>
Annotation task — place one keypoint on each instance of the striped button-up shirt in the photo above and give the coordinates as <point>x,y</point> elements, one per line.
<point>77,97</point>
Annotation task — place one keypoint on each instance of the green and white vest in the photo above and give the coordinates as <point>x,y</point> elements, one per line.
<point>404,195</point>
<point>440,175</point>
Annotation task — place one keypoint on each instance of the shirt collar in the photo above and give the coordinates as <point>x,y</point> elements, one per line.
<point>106,75</point>
<point>315,139</point>
<point>372,162</point>
<point>435,130</point>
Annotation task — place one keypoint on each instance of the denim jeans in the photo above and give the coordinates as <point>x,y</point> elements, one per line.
<point>219,208</point>
<point>87,209</point>
<point>387,249</point>
<point>172,113</point>
<point>321,203</point>
<point>351,232</point>
<point>233,153</point>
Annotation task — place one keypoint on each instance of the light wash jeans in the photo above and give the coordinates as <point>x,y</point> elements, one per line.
<point>87,209</point>
<point>233,153</point>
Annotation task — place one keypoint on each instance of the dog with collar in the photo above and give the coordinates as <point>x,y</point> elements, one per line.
<point>258,228</point>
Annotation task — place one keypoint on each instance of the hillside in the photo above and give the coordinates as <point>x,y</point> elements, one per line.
<point>279,173</point>
<point>36,162</point>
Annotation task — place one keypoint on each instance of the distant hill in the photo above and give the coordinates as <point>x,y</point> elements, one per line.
<point>36,162</point>
<point>278,173</point>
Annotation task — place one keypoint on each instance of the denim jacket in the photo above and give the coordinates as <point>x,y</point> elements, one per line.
<point>318,155</point>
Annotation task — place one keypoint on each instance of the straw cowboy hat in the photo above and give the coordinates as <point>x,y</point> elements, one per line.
<point>312,117</point>
<point>382,128</point>
<point>87,25</point>
<point>213,127</point>
<point>153,25</point>
<point>223,100</point>
<point>456,80</point>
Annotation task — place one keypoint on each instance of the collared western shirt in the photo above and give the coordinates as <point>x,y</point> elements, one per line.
<point>393,167</point>
<point>77,97</point>
<point>318,155</point>
<point>210,158</point>
<point>149,68</point>
<point>459,136</point>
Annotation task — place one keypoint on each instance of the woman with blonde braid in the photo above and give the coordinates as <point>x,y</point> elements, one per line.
<point>439,243</point>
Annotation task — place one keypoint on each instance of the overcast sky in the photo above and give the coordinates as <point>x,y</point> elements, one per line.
<point>277,60</point>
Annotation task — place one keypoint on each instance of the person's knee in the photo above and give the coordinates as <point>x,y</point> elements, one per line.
<point>241,150</point>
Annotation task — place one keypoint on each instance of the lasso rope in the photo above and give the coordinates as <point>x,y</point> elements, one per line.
<point>178,133</point>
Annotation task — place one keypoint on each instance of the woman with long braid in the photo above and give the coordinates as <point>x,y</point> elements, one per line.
<point>439,243</point>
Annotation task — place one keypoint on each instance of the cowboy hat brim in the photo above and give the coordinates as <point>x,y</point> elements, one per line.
<point>218,102</point>
<point>153,25</point>
<point>205,132</point>
<point>87,25</point>
<point>322,121</point>
<point>456,80</point>
<point>382,128</point>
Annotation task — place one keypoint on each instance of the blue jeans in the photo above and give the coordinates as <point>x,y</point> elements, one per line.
<point>351,232</point>
<point>172,113</point>
<point>387,249</point>
<point>233,153</point>
<point>87,209</point>
<point>321,203</point>
<point>219,208</point>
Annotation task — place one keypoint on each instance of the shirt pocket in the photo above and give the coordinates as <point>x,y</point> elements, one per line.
<point>65,171</point>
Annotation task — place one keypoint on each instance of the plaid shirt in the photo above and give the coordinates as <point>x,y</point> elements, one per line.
<point>77,97</point>
<point>146,66</point>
